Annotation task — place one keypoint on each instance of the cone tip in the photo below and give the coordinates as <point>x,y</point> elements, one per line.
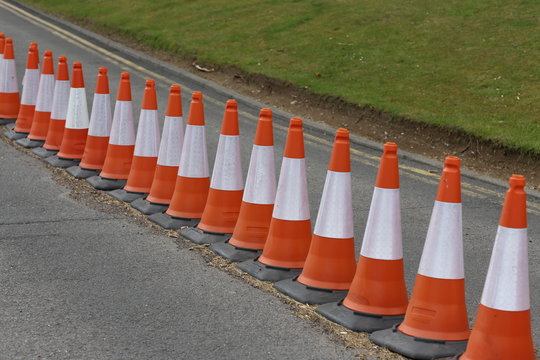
<point>452,162</point>
<point>102,70</point>
<point>77,65</point>
<point>33,45</point>
<point>197,95</point>
<point>2,35</point>
<point>47,53</point>
<point>175,89</point>
<point>62,59</point>
<point>231,105</point>
<point>342,134</point>
<point>124,76</point>
<point>265,113</point>
<point>390,148</point>
<point>295,123</point>
<point>150,83</point>
<point>517,181</point>
<point>9,40</point>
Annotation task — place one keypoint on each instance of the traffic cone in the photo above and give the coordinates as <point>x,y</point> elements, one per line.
<point>193,181</point>
<point>377,298</point>
<point>60,99</point>
<point>121,143</point>
<point>29,96</point>
<point>76,130</point>
<point>9,90</point>
<point>170,150</point>
<point>98,131</point>
<point>226,187</point>
<point>253,222</point>
<point>436,323</point>
<point>145,155</point>
<point>289,236</point>
<point>42,113</point>
<point>502,329</point>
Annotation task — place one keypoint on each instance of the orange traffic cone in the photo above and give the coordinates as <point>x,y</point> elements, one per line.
<point>60,99</point>
<point>42,113</point>
<point>170,150</point>
<point>289,236</point>
<point>193,181</point>
<point>436,323</point>
<point>29,95</point>
<point>377,298</point>
<point>145,155</point>
<point>9,90</point>
<point>253,222</point>
<point>502,329</point>
<point>121,142</point>
<point>226,187</point>
<point>76,130</point>
<point>330,263</point>
<point>98,131</point>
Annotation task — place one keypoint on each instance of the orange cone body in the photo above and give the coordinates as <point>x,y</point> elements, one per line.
<point>289,236</point>
<point>146,150</point>
<point>42,113</point>
<point>255,214</point>
<point>59,106</point>
<point>437,307</point>
<point>502,329</point>
<point>100,125</point>
<point>29,93</point>
<point>227,186</point>
<point>170,151</point>
<point>193,181</point>
<point>122,138</point>
<point>9,90</point>
<point>378,286</point>
<point>76,130</point>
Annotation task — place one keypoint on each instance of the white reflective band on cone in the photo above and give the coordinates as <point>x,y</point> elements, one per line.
<point>8,78</point>
<point>335,217</point>
<point>30,87</point>
<point>45,93</point>
<point>77,113</point>
<point>227,173</point>
<point>101,117</point>
<point>507,283</point>
<point>194,159</point>
<point>170,148</point>
<point>382,239</point>
<point>261,176</point>
<point>60,99</point>
<point>1,71</point>
<point>122,131</point>
<point>291,197</point>
<point>147,141</point>
<point>442,257</point>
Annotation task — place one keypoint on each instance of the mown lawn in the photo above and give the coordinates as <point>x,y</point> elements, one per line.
<point>460,63</point>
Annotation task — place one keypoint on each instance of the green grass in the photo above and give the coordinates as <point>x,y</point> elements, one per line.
<point>464,64</point>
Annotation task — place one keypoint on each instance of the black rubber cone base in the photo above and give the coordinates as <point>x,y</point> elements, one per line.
<point>14,135</point>
<point>82,173</point>
<point>355,320</point>
<point>61,162</point>
<point>4,121</point>
<point>234,253</point>
<point>147,207</point>
<point>44,153</point>
<point>126,196</point>
<point>416,348</point>
<point>29,143</point>
<point>308,294</point>
<point>170,222</point>
<point>267,272</point>
<point>102,183</point>
<point>201,237</point>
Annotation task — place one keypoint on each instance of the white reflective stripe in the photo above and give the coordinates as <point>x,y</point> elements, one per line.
<point>77,113</point>
<point>194,159</point>
<point>147,142</point>
<point>335,217</point>
<point>442,257</point>
<point>45,93</point>
<point>1,72</point>
<point>8,77</point>
<point>382,239</point>
<point>292,197</point>
<point>261,176</point>
<point>101,117</point>
<point>30,87</point>
<point>227,173</point>
<point>507,283</point>
<point>60,99</point>
<point>172,138</point>
<point>122,130</point>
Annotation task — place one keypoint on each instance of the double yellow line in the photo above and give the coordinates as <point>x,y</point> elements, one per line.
<point>357,155</point>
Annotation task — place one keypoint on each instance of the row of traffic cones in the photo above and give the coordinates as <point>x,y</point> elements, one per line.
<point>269,229</point>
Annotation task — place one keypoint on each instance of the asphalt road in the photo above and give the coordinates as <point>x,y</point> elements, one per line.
<point>79,283</point>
